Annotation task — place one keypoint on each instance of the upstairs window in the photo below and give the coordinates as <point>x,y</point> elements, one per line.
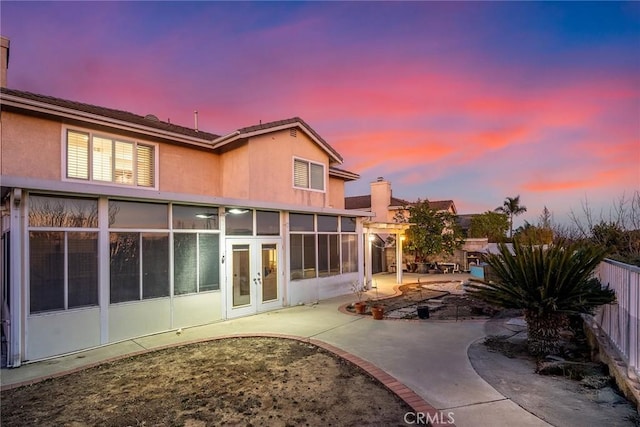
<point>105,159</point>
<point>308,175</point>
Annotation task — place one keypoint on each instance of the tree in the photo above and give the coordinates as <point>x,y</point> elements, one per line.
<point>512,208</point>
<point>548,285</point>
<point>619,231</point>
<point>530,234</point>
<point>492,225</point>
<point>432,232</point>
<point>545,219</point>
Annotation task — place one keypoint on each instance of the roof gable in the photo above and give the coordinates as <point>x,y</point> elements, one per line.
<point>364,202</point>
<point>263,128</point>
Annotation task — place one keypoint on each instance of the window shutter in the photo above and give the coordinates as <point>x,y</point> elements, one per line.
<point>317,176</point>
<point>124,162</point>
<point>301,174</point>
<point>146,166</point>
<point>77,155</point>
<point>102,153</point>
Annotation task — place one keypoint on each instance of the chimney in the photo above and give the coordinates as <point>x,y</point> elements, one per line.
<point>4,60</point>
<point>380,199</point>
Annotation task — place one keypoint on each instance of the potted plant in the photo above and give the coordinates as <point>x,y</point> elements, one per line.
<point>377,310</point>
<point>359,290</point>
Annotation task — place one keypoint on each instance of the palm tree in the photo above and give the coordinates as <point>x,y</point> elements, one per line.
<point>511,208</point>
<point>548,285</point>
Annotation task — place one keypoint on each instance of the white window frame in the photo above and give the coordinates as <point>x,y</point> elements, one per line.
<point>112,137</point>
<point>309,175</point>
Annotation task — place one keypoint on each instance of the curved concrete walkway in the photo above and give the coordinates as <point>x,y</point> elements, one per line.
<point>428,357</point>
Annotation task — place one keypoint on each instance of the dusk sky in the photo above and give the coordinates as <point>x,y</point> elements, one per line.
<point>466,101</point>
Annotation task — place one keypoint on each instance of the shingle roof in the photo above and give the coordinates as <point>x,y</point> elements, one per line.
<point>342,173</point>
<point>124,116</point>
<point>154,123</point>
<point>441,205</point>
<point>357,202</point>
<point>266,126</point>
<point>364,202</point>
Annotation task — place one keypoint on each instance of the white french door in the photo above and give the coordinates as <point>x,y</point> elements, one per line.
<point>254,276</point>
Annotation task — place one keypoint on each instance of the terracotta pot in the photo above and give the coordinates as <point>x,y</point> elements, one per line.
<point>378,312</point>
<point>360,307</point>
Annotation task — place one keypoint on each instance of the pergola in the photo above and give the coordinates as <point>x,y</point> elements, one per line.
<point>371,228</point>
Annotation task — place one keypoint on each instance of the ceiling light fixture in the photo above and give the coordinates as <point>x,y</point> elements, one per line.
<point>237,211</point>
<point>206,215</point>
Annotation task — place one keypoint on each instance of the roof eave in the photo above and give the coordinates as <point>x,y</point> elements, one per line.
<point>69,113</point>
<point>240,135</point>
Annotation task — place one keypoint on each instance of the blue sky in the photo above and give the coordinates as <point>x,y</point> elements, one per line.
<point>470,101</point>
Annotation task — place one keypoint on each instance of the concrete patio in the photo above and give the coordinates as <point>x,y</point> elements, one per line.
<point>429,357</point>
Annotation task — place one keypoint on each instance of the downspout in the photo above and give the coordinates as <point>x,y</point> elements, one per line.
<point>14,350</point>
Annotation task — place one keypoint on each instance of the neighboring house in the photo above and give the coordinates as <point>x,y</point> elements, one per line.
<point>116,225</point>
<point>386,210</point>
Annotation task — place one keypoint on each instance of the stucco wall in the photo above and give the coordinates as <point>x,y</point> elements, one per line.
<point>34,147</point>
<point>262,169</point>
<point>31,147</point>
<point>336,193</point>
<point>185,170</point>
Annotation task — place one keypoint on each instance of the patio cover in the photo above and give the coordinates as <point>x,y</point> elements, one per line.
<point>397,229</point>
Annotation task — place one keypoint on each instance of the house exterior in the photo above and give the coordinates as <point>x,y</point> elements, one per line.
<point>116,225</point>
<point>387,211</point>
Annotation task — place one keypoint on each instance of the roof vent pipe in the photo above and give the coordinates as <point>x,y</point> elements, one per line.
<point>195,117</point>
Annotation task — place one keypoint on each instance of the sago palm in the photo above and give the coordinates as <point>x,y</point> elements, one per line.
<point>548,284</point>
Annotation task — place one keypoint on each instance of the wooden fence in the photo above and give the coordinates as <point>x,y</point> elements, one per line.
<point>620,320</point>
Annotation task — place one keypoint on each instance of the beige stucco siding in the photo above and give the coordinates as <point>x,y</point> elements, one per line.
<point>186,170</point>
<point>336,193</point>
<point>235,172</point>
<point>262,169</point>
<point>31,147</point>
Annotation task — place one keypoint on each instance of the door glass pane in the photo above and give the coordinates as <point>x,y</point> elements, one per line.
<point>83,269</point>
<point>269,273</point>
<point>241,275</point>
<point>48,211</point>
<point>295,256</point>
<point>209,262</point>
<point>239,222</point>
<point>347,224</point>
<point>309,255</point>
<point>155,265</point>
<point>185,266</point>
<point>334,254</point>
<point>46,270</point>
<point>301,222</point>
<point>125,267</point>
<point>267,223</point>
<point>327,223</point>
<point>195,217</point>
<point>137,215</point>
<point>323,255</point>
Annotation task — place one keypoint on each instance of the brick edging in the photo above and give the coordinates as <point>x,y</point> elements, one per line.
<point>417,403</point>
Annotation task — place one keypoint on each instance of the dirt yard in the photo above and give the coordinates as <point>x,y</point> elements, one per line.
<point>240,381</point>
